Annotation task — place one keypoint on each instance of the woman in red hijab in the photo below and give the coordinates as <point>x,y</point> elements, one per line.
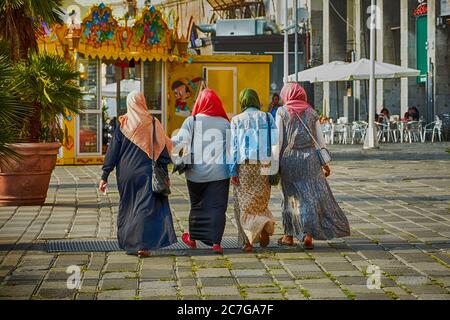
<point>309,207</point>
<point>202,138</point>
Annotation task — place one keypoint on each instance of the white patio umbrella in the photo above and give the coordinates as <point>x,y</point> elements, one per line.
<point>318,74</point>
<point>358,70</point>
<point>126,86</point>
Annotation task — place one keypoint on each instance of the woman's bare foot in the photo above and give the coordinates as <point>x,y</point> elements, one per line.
<point>286,241</point>
<point>247,248</point>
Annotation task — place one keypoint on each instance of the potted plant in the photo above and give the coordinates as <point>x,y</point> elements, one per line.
<point>48,86</point>
<point>40,89</point>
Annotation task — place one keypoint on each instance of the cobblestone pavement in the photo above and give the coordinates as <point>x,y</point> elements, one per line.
<point>399,213</point>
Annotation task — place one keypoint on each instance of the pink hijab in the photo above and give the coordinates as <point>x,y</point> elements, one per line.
<point>295,98</point>
<point>137,125</point>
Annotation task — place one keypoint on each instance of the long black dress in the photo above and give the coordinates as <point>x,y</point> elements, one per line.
<point>144,219</point>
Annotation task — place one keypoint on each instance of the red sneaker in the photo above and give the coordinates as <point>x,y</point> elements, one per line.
<point>186,239</point>
<point>217,248</point>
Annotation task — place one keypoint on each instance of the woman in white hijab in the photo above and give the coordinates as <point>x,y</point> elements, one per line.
<point>144,219</point>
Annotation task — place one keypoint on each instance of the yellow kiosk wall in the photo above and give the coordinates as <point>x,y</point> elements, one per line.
<point>226,74</point>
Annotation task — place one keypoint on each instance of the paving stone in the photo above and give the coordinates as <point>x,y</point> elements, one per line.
<point>16,290</point>
<point>169,291</point>
<point>213,272</point>
<point>218,282</point>
<point>157,274</point>
<point>51,293</point>
<point>118,284</point>
<point>221,290</point>
<point>117,295</point>
<point>148,285</point>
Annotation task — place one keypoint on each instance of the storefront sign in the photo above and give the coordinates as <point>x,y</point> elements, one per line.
<point>421,9</point>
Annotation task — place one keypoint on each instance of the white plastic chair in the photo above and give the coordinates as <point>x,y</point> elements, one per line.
<point>385,132</point>
<point>359,129</point>
<point>436,130</point>
<point>413,131</point>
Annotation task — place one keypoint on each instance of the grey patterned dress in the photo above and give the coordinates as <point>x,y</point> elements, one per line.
<point>308,203</point>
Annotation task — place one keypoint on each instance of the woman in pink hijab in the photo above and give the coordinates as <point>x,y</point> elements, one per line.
<point>144,220</point>
<point>309,210</point>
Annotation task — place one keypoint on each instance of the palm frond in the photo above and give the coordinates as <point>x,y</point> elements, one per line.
<point>12,111</point>
<point>21,22</point>
<point>50,83</point>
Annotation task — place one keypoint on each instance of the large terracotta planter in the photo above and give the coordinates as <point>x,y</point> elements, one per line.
<point>26,182</point>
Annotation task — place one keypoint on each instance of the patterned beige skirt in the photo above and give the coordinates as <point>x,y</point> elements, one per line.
<point>251,204</point>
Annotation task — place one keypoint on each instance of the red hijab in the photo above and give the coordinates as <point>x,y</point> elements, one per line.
<point>208,103</point>
<point>295,98</point>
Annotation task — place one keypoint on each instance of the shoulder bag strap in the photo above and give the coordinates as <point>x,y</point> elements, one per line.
<point>192,140</point>
<point>309,132</point>
<point>269,136</point>
<point>153,139</point>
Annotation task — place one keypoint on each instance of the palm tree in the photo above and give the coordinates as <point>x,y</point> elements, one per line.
<point>21,20</point>
<point>50,87</point>
<point>12,110</point>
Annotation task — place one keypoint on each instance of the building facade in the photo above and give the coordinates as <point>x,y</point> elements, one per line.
<point>410,33</point>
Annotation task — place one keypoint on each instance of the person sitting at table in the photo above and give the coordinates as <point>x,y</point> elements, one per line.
<point>413,113</point>
<point>384,115</point>
<point>406,117</point>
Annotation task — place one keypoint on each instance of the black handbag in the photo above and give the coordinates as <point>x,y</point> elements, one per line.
<point>160,177</point>
<point>182,166</point>
<point>274,179</point>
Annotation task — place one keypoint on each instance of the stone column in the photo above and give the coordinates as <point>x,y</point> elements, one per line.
<point>326,54</point>
<point>404,48</point>
<point>380,52</point>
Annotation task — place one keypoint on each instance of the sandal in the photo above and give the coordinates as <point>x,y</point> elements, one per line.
<point>247,248</point>
<point>190,243</point>
<point>265,239</point>
<point>143,253</point>
<point>286,241</point>
<point>308,242</point>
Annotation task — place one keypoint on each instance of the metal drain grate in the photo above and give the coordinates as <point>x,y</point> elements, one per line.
<point>113,245</point>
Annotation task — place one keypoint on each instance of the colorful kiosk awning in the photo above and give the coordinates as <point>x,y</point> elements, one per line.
<point>101,35</point>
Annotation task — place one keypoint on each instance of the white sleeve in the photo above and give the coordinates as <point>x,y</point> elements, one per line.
<point>319,135</point>
<point>182,139</point>
<point>276,147</point>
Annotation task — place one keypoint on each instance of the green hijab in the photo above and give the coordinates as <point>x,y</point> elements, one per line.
<point>249,98</point>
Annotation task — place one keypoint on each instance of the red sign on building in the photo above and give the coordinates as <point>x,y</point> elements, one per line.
<point>421,9</point>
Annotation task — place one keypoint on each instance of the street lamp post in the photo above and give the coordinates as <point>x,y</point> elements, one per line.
<point>370,142</point>
<point>296,40</point>
<point>286,43</point>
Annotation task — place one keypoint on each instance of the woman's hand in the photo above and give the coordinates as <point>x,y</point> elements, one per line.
<point>102,186</point>
<point>235,181</point>
<point>326,170</point>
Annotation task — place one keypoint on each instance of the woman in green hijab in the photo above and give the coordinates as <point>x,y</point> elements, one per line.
<point>251,163</point>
